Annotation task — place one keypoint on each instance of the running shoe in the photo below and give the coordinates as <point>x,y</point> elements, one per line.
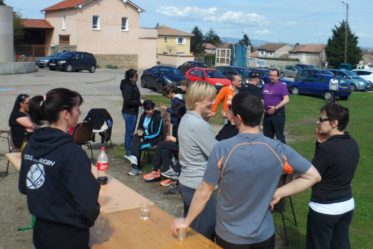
<point>132,159</point>
<point>134,172</point>
<point>170,173</point>
<point>167,182</point>
<point>153,175</point>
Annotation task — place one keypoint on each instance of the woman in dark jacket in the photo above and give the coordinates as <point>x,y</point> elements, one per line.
<point>20,124</point>
<point>131,104</point>
<point>56,176</point>
<point>149,133</point>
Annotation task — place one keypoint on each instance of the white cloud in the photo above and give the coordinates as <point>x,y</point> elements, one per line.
<point>262,32</point>
<point>213,14</point>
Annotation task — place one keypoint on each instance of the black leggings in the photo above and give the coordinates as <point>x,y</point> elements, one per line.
<point>48,235</point>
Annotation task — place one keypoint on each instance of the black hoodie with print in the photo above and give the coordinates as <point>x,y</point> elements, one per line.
<point>57,179</point>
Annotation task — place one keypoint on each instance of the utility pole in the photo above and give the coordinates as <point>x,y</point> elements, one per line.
<point>346,25</point>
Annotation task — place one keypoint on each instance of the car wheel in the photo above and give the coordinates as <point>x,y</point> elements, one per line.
<point>69,68</point>
<point>344,98</point>
<point>41,66</point>
<point>159,88</point>
<point>52,69</point>
<point>295,91</point>
<point>143,83</point>
<point>353,88</point>
<point>92,69</point>
<point>327,96</point>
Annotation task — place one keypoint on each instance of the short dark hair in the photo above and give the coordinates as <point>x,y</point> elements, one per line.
<point>130,73</point>
<point>276,70</point>
<point>337,112</point>
<point>148,105</point>
<point>48,107</point>
<point>171,88</point>
<point>231,77</point>
<point>249,107</point>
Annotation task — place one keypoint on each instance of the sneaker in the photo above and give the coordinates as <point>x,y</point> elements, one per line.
<point>134,172</point>
<point>170,173</point>
<point>131,159</point>
<point>153,175</point>
<point>167,182</point>
<point>174,189</point>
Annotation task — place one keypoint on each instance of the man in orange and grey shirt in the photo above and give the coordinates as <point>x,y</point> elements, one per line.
<point>226,94</point>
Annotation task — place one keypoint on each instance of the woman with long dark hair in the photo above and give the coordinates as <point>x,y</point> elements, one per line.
<point>20,124</point>
<point>56,176</point>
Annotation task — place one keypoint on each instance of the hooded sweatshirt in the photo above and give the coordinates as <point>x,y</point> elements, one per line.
<point>57,179</point>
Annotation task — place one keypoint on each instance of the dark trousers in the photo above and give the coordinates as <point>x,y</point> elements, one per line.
<point>274,125</point>
<point>163,155</point>
<point>49,235</point>
<point>206,220</point>
<point>130,123</point>
<point>328,231</point>
<point>138,146</point>
<point>267,244</point>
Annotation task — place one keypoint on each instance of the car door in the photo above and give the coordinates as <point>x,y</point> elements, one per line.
<point>154,76</point>
<point>75,62</point>
<point>306,86</point>
<point>191,75</point>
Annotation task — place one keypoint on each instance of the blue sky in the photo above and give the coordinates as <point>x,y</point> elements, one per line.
<point>307,21</point>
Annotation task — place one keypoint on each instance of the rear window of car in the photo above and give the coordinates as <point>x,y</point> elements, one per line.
<point>214,74</point>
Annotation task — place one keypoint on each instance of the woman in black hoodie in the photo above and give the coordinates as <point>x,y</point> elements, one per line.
<point>62,193</point>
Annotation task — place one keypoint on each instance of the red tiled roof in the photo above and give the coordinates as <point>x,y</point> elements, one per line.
<point>66,4</point>
<point>164,30</point>
<point>271,47</point>
<point>308,48</point>
<point>69,4</point>
<point>36,24</point>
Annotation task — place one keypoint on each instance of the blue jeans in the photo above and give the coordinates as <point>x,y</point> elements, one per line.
<point>130,126</point>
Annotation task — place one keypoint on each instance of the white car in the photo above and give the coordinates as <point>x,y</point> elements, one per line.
<point>364,73</point>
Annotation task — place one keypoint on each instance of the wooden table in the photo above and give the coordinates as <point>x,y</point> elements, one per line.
<point>114,196</point>
<point>125,230</point>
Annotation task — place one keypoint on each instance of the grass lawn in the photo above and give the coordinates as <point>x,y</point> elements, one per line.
<point>302,112</point>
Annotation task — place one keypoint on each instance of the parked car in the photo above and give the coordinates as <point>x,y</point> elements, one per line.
<point>42,62</point>
<point>291,70</point>
<point>209,75</point>
<point>189,64</point>
<point>263,72</point>
<point>318,85</point>
<point>73,61</point>
<point>229,70</point>
<point>357,83</point>
<point>365,74</point>
<point>304,73</point>
<point>159,76</point>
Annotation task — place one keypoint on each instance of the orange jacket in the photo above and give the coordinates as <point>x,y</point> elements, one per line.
<point>225,95</point>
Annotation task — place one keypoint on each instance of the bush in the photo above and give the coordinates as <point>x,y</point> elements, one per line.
<point>110,66</point>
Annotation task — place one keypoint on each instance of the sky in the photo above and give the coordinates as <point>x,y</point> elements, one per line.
<point>290,21</point>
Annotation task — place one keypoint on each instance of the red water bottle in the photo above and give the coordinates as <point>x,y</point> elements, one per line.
<point>102,166</point>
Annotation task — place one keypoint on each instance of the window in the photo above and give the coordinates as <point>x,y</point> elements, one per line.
<point>165,39</point>
<point>64,23</point>
<point>124,23</point>
<point>96,23</point>
<point>64,40</point>
<point>180,40</point>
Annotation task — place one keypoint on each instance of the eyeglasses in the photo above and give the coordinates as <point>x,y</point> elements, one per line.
<point>323,119</point>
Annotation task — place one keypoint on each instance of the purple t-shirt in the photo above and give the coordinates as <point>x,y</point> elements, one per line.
<point>273,94</point>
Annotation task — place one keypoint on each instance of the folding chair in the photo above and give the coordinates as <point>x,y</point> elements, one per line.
<point>102,124</point>
<point>82,135</point>
<point>6,134</point>
<point>280,207</point>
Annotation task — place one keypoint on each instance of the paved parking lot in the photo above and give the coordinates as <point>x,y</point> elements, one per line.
<point>99,90</point>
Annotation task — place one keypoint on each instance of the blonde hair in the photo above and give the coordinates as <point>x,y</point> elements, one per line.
<point>199,91</point>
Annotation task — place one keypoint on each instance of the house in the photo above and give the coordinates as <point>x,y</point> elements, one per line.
<point>110,29</point>
<point>173,46</point>
<point>309,54</point>
<point>209,48</point>
<point>273,50</point>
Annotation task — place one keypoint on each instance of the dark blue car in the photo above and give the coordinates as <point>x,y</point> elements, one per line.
<point>318,85</point>
<point>159,76</point>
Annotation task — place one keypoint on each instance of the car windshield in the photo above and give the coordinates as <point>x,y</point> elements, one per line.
<point>214,74</point>
<point>170,70</point>
<point>66,55</point>
<point>243,71</point>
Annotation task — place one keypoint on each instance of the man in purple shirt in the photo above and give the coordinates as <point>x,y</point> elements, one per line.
<point>275,97</point>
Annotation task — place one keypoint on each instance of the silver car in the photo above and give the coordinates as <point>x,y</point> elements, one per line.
<point>43,61</point>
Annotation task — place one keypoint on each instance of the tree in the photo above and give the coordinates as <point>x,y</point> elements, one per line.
<point>212,37</point>
<point>246,41</point>
<point>18,26</point>
<point>157,25</point>
<point>336,44</point>
<point>196,41</point>
<point>2,2</point>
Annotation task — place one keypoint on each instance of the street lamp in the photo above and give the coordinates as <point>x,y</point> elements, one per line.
<point>346,24</point>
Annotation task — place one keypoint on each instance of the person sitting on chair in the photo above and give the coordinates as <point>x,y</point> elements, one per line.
<point>149,133</point>
<point>21,125</point>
